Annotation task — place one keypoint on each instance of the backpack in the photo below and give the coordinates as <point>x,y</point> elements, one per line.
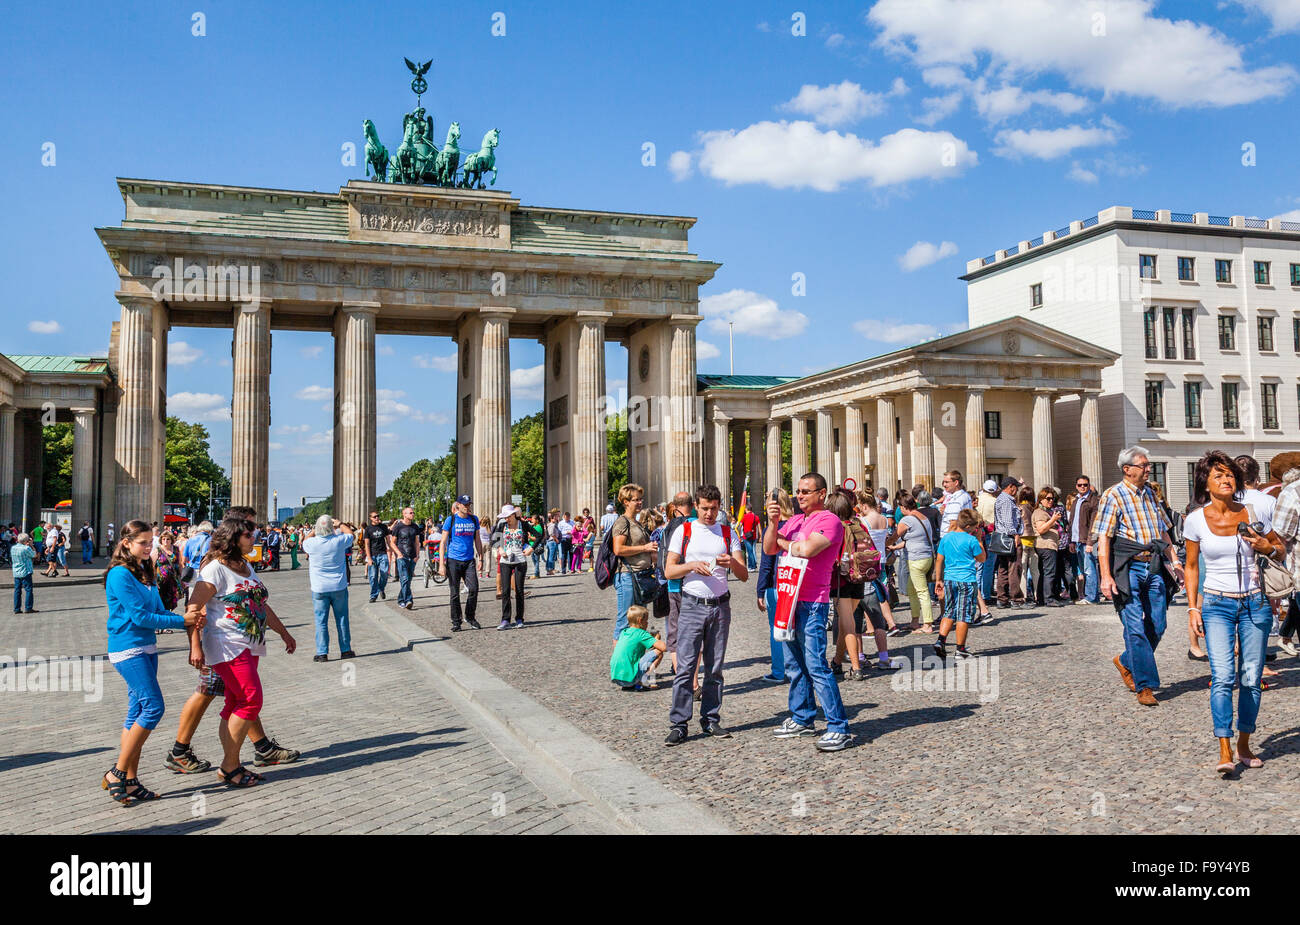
<point>864,557</point>
<point>85,534</point>
<point>686,537</point>
<point>606,563</point>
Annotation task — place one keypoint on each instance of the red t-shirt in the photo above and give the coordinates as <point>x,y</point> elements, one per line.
<point>748,524</point>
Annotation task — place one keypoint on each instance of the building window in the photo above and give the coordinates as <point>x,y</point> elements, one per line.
<point>1149,333</point>
<point>1268,399</point>
<point>1266,333</point>
<point>1036,295</point>
<point>1148,265</point>
<point>1192,403</point>
<point>1295,332</point>
<point>1230,419</point>
<point>1227,332</point>
<point>1171,333</point>
<point>1223,271</point>
<point>1261,272</point>
<point>1187,268</point>
<point>992,425</point>
<point>866,436</point>
<point>1155,403</point>
<point>1189,333</point>
<point>1158,472</point>
<point>1191,480</point>
<point>1295,274</point>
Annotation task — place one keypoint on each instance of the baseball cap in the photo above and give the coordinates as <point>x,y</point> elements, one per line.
<point>990,486</point>
<point>463,499</point>
<point>609,509</point>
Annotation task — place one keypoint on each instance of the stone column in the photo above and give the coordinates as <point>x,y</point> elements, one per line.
<point>1090,439</point>
<point>7,448</point>
<point>135,444</point>
<point>886,468</point>
<point>855,465</point>
<point>737,467</point>
<point>355,411</point>
<point>492,484</point>
<point>83,467</point>
<point>720,422</point>
<point>774,455</point>
<point>1044,446</point>
<point>976,455</point>
<point>798,449</point>
<point>161,325</point>
<point>590,450</point>
<point>686,435</point>
<point>250,408</point>
<point>923,438</point>
<point>757,464</point>
<point>826,445</point>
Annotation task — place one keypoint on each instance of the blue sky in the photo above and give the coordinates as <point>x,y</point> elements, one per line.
<point>874,153</point>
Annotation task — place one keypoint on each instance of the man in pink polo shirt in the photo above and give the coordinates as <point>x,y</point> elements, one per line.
<point>817,535</point>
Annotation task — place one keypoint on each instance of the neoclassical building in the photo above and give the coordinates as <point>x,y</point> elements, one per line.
<point>982,401</point>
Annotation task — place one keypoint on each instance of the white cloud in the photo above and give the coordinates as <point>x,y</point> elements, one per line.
<point>752,314</point>
<point>892,331</point>
<point>1047,144</point>
<point>312,352</point>
<point>389,393</point>
<point>314,393</point>
<point>275,446</point>
<point>938,108</point>
<point>445,364</point>
<point>679,165</point>
<point>1081,174</point>
<point>1292,216</point>
<point>798,155</point>
<point>1126,52</point>
<point>527,383</point>
<point>44,327</point>
<point>923,253</point>
<point>1006,101</point>
<point>384,350</point>
<point>199,406</point>
<point>835,40</point>
<point>180,353</point>
<point>837,104</point>
<point>706,351</point>
<point>293,428</point>
<point>1284,15</point>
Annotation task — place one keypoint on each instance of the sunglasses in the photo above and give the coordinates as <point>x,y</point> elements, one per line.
<point>808,491</point>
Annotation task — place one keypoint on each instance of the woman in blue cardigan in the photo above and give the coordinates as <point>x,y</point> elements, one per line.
<point>135,610</point>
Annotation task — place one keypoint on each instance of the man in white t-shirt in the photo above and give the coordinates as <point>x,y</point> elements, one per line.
<point>1261,502</point>
<point>607,521</point>
<point>701,553</point>
<point>955,500</point>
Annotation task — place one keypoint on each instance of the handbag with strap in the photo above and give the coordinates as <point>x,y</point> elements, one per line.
<point>1001,544</point>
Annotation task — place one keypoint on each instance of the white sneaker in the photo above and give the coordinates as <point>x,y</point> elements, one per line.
<point>789,729</point>
<point>833,742</point>
<point>1289,647</point>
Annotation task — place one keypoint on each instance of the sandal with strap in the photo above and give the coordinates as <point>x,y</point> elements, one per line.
<point>141,793</point>
<point>240,777</point>
<point>117,790</point>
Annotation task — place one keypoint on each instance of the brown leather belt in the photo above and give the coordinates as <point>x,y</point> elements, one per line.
<point>1142,557</point>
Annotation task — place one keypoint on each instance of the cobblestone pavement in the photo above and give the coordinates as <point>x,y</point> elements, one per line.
<point>384,753</point>
<point>1062,748</point>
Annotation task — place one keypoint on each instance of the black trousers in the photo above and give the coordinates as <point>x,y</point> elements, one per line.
<point>458,569</point>
<point>1047,559</point>
<point>516,572</point>
<point>566,554</point>
<point>1291,622</point>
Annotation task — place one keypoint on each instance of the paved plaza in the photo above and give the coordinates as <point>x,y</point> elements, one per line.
<point>1045,739</point>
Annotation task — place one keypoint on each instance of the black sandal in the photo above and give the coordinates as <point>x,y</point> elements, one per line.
<point>117,790</point>
<point>141,794</point>
<point>245,777</point>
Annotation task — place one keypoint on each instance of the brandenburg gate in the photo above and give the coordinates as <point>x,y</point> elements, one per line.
<point>404,258</point>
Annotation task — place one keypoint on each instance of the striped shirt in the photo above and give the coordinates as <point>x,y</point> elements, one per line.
<point>1130,514</point>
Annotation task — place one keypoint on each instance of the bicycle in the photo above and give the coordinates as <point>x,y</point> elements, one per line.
<point>431,573</point>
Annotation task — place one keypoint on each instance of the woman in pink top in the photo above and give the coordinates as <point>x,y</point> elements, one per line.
<point>579,538</point>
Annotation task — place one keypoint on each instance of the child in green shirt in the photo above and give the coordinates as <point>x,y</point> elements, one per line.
<point>636,654</point>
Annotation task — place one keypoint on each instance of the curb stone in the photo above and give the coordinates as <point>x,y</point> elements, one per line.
<point>618,787</point>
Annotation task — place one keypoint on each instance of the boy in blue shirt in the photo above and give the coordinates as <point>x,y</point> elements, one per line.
<point>636,654</point>
<point>956,580</point>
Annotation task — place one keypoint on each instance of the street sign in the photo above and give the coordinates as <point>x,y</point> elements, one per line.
<point>516,499</point>
<point>851,484</point>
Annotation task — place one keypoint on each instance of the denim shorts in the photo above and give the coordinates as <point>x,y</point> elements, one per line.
<point>961,601</point>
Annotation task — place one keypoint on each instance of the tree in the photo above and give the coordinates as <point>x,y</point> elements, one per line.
<point>615,453</point>
<point>528,460</point>
<point>313,510</point>
<point>424,485</point>
<point>191,475</point>
<point>56,472</point>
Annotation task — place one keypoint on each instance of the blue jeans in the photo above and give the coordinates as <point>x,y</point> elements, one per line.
<point>778,648</point>
<point>806,662</point>
<point>988,571</point>
<point>87,553</point>
<point>537,561</point>
<point>378,574</point>
<point>1246,623</point>
<point>144,701</point>
<point>405,569</point>
<point>1085,564</point>
<point>623,587</point>
<point>321,603</point>
<point>20,585</point>
<point>750,560</point>
<point>1144,623</point>
<point>552,550</point>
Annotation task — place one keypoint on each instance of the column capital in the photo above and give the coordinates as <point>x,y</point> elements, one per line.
<point>75,410</point>
<point>1046,390</point>
<point>593,316</point>
<point>255,305</point>
<point>851,403</point>
<point>720,416</point>
<point>977,388</point>
<point>354,307</point>
<point>490,311</point>
<point>682,319</point>
<point>135,299</point>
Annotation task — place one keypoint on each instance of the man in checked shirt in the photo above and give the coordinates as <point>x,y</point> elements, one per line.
<point>1140,570</point>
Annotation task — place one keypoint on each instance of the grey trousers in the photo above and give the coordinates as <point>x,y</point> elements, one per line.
<point>701,633</point>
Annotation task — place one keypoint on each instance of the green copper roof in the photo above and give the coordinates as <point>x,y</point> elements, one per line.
<point>31,363</point>
<point>741,382</point>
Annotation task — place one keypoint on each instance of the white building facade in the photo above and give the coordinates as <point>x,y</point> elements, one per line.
<point>1204,312</point>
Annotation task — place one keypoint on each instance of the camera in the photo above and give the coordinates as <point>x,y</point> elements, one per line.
<point>1257,527</point>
